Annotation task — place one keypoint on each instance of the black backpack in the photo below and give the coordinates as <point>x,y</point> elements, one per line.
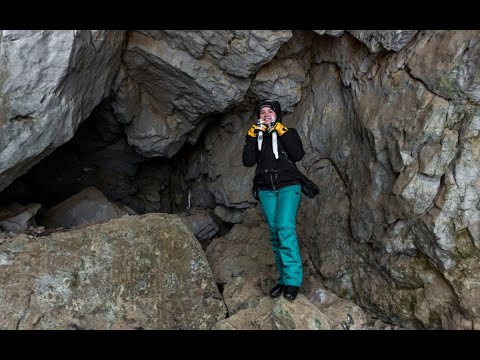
<point>308,186</point>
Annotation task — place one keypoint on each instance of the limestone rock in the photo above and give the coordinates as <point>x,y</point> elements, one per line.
<point>138,272</point>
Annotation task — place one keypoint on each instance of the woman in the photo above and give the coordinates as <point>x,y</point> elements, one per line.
<point>275,148</point>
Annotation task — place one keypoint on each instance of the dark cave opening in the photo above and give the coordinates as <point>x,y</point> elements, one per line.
<point>99,163</point>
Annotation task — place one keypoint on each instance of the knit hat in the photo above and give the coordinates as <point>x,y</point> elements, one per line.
<point>272,104</point>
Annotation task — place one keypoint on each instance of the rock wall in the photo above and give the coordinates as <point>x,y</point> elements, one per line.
<point>389,120</point>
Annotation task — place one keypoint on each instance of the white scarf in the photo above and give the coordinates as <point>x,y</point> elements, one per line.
<point>274,142</point>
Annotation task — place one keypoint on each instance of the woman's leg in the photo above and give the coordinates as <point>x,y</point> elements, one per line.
<point>268,202</point>
<point>287,207</point>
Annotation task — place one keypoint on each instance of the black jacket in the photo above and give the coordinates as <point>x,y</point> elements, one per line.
<point>272,173</point>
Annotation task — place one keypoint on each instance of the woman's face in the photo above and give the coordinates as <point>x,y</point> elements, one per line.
<point>267,115</point>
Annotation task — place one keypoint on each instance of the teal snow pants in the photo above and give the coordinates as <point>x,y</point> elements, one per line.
<point>280,210</point>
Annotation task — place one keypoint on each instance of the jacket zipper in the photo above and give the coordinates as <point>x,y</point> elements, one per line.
<point>271,179</point>
<point>275,163</point>
<point>276,175</point>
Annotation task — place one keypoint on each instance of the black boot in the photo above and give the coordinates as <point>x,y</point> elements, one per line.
<point>290,293</point>
<point>277,290</point>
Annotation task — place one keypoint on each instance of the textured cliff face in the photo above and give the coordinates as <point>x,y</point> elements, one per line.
<point>390,121</point>
<point>390,145</point>
<point>50,81</point>
<point>394,147</point>
<point>184,76</point>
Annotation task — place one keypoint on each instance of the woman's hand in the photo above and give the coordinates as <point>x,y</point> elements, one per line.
<point>279,128</point>
<point>256,128</point>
